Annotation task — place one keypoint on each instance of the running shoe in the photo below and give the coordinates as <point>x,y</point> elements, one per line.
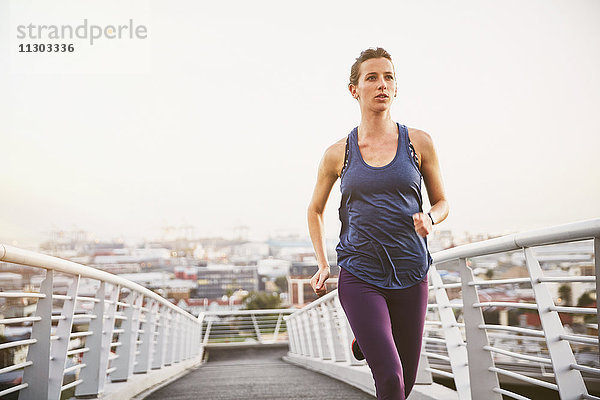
<point>356,350</point>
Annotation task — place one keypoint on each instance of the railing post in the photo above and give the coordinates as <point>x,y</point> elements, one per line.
<point>147,346</point>
<point>159,351</point>
<point>424,376</point>
<point>297,335</point>
<point>569,381</point>
<point>454,342</point>
<point>207,332</point>
<point>196,340</point>
<point>58,350</point>
<point>188,334</point>
<point>107,335</point>
<point>128,339</point>
<point>302,334</point>
<point>199,340</point>
<point>192,341</point>
<point>194,331</point>
<point>277,325</point>
<point>346,334</point>
<point>176,329</point>
<point>36,375</point>
<point>597,267</point>
<point>170,337</point>
<point>480,360</point>
<point>329,330</point>
<point>291,339</point>
<point>91,373</point>
<point>308,333</point>
<point>256,328</point>
<point>315,319</point>
<point>181,327</point>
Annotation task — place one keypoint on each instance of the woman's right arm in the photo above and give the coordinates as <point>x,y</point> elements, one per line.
<point>329,170</point>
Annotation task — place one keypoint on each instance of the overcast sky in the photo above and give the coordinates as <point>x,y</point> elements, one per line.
<point>220,116</point>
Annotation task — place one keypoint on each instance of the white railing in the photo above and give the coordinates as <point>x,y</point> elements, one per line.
<point>244,327</point>
<point>83,342</point>
<point>320,330</point>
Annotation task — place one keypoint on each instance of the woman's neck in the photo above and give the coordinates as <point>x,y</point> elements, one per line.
<point>372,125</point>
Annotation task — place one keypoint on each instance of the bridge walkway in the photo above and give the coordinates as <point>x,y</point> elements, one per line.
<point>255,373</point>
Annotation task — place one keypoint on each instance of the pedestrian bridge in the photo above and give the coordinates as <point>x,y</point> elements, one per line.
<point>124,341</point>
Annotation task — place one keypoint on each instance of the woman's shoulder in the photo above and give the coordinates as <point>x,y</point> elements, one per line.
<point>418,135</point>
<point>421,141</point>
<point>420,138</point>
<point>333,159</point>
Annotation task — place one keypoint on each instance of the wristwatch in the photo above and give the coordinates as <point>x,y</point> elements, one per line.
<point>432,221</point>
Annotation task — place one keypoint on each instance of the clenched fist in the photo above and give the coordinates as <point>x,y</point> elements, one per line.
<point>318,281</point>
<point>423,224</point>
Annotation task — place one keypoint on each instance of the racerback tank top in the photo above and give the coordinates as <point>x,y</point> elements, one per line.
<point>378,242</point>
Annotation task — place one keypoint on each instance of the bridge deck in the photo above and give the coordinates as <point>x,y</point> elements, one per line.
<point>252,373</point>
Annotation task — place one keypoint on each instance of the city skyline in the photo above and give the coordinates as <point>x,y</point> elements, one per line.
<point>224,122</point>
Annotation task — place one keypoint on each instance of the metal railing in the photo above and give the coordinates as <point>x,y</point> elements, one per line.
<point>81,342</point>
<point>320,330</point>
<point>244,327</point>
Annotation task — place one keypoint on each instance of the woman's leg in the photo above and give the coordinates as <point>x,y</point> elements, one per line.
<point>368,315</point>
<point>407,312</point>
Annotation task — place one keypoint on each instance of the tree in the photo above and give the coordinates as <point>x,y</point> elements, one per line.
<point>565,293</point>
<point>585,300</point>
<point>261,301</point>
<point>282,284</point>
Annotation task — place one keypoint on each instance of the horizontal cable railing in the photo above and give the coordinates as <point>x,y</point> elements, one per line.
<point>81,342</point>
<point>244,327</point>
<point>543,357</point>
<point>473,352</point>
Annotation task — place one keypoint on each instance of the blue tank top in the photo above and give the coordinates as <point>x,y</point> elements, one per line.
<point>378,242</point>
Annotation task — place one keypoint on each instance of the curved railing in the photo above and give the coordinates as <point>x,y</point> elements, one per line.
<point>238,328</point>
<point>320,330</point>
<point>81,342</point>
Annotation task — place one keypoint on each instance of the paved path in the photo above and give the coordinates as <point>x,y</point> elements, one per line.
<point>255,374</point>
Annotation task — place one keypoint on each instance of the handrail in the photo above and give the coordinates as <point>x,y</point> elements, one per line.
<point>244,327</point>
<point>25,257</point>
<point>540,237</point>
<point>152,333</point>
<point>320,331</point>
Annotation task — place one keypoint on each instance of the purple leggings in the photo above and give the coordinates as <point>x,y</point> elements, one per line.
<point>388,326</point>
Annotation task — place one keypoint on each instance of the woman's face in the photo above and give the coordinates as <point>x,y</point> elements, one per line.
<point>376,87</point>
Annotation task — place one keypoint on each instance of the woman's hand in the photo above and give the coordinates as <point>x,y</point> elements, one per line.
<point>318,281</point>
<point>423,224</point>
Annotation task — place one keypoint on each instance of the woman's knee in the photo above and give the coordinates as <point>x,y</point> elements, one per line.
<point>390,385</point>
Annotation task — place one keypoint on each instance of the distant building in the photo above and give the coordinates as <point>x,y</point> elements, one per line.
<point>162,283</point>
<point>295,249</point>
<point>215,281</point>
<point>196,306</point>
<point>273,267</point>
<point>248,252</point>
<point>146,257</point>
<point>11,281</point>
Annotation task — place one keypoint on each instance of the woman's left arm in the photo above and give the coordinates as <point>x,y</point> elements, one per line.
<point>432,176</point>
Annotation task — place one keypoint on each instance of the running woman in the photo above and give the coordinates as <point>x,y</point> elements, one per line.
<point>382,252</point>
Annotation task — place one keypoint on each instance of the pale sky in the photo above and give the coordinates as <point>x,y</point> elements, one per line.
<point>220,116</point>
